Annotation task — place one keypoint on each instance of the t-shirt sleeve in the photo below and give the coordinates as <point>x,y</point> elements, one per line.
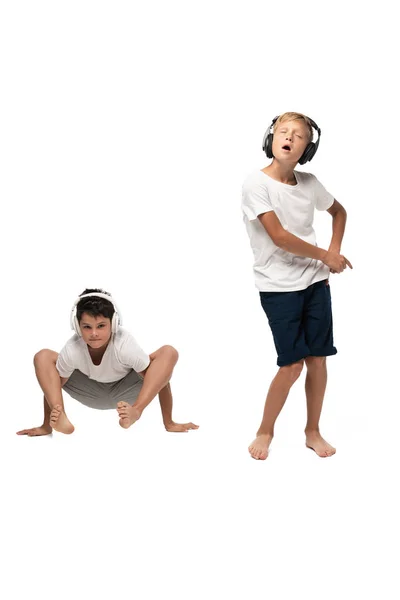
<point>132,355</point>
<point>65,365</point>
<point>255,200</point>
<point>322,198</point>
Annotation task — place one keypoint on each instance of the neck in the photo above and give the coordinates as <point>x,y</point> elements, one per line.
<point>281,172</point>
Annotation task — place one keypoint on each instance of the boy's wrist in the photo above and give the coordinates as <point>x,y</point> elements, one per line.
<point>324,254</point>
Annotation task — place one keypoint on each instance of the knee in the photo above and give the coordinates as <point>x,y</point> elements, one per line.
<point>171,353</point>
<point>42,357</point>
<point>294,370</point>
<point>315,362</point>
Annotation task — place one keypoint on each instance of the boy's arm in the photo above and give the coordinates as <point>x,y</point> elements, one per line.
<point>295,245</point>
<point>143,373</point>
<point>339,217</point>
<point>65,363</point>
<point>130,354</point>
<point>287,241</point>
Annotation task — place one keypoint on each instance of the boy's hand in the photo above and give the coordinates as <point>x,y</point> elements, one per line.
<point>35,431</point>
<point>336,262</point>
<point>179,427</point>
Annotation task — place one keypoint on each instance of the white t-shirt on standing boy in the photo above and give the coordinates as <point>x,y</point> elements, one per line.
<point>275,269</point>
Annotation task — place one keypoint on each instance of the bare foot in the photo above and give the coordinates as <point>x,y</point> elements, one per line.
<point>260,446</point>
<point>128,414</point>
<point>42,430</point>
<point>178,427</point>
<point>59,421</point>
<point>316,442</point>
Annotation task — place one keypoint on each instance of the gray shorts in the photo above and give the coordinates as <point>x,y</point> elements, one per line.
<point>103,395</point>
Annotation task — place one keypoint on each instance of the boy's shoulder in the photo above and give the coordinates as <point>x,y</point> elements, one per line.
<point>73,345</point>
<point>122,336</point>
<point>254,177</point>
<point>304,177</point>
<point>73,340</point>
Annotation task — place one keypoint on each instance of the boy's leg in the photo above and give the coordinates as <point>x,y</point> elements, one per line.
<point>318,326</point>
<point>316,380</point>
<point>51,384</point>
<point>165,398</point>
<point>156,381</point>
<point>276,398</point>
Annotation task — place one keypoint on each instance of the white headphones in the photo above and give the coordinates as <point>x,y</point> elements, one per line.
<point>116,320</point>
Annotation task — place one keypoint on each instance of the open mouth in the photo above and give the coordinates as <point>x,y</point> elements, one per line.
<point>286,147</point>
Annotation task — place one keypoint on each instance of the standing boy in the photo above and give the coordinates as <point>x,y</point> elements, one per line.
<point>102,366</point>
<point>291,272</point>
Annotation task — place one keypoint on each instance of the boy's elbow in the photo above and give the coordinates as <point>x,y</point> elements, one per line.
<point>279,239</point>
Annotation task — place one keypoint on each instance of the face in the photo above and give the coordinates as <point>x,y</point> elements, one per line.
<point>290,140</point>
<point>96,331</point>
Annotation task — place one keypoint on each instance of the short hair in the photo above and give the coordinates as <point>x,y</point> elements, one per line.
<point>95,306</point>
<point>294,116</point>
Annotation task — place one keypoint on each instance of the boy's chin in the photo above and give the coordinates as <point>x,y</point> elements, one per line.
<point>96,345</point>
<point>288,156</point>
<point>286,160</point>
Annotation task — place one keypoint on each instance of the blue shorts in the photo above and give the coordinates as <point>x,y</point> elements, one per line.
<point>301,322</point>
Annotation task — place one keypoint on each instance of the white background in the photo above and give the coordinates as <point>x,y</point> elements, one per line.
<point>127,130</point>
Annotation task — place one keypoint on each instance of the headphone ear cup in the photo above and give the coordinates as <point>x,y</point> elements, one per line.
<point>114,322</point>
<point>308,153</point>
<point>74,322</point>
<point>77,329</point>
<point>268,145</point>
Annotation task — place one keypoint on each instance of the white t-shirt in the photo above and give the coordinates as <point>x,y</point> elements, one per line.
<point>275,269</point>
<point>122,354</point>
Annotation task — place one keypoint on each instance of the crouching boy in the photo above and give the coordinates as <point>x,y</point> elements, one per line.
<point>103,367</point>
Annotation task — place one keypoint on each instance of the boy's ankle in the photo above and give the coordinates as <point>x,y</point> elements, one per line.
<point>265,432</point>
<point>309,430</point>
